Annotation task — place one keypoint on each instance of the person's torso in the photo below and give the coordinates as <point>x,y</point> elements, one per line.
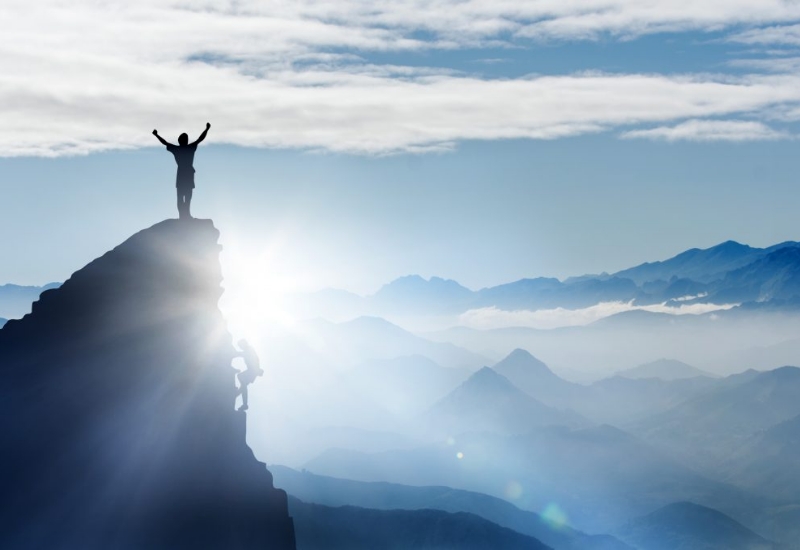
<point>251,360</point>
<point>184,157</point>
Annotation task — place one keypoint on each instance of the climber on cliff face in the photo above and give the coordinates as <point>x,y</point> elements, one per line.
<point>253,370</point>
<point>184,158</point>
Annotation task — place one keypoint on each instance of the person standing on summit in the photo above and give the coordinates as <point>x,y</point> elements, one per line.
<point>184,158</point>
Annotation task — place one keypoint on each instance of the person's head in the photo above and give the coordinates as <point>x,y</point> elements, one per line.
<point>183,139</point>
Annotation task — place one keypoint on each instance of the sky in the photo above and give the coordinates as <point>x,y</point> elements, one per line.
<point>354,142</point>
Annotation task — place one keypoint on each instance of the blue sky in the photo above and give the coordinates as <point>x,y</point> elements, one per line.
<point>352,143</point>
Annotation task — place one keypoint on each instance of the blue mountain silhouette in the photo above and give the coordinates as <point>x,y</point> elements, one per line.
<point>117,409</point>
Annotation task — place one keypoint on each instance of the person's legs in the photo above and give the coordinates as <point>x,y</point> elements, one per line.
<point>241,384</point>
<point>188,202</point>
<point>242,389</point>
<point>184,202</point>
<point>244,406</point>
<point>180,202</point>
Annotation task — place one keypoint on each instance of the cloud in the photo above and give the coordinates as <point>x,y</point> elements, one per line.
<point>88,76</point>
<point>116,106</point>
<point>632,18</point>
<point>709,130</point>
<point>774,35</point>
<point>391,24</point>
<point>491,317</point>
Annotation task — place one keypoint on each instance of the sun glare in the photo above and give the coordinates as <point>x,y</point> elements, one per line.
<point>257,294</point>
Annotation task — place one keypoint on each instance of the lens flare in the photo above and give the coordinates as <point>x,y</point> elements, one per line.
<point>554,515</point>
<point>513,490</point>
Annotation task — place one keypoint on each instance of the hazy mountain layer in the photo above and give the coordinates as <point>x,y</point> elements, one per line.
<point>534,378</point>
<point>767,461</point>
<point>617,400</point>
<point>597,477</point>
<point>330,491</point>
<point>722,343</point>
<point>489,402</point>
<point>664,369</point>
<point>685,525</point>
<point>371,338</point>
<point>352,528</point>
<point>707,428</point>
<point>405,385</point>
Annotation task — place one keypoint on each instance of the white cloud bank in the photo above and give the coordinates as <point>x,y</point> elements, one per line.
<point>84,76</point>
<point>491,317</point>
<point>710,130</point>
<point>774,35</point>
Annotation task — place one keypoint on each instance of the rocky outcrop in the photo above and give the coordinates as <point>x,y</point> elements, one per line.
<point>117,409</point>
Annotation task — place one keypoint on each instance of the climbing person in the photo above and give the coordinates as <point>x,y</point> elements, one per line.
<point>184,158</point>
<point>253,370</point>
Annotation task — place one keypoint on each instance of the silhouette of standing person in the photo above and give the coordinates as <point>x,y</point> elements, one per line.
<point>249,375</point>
<point>184,158</point>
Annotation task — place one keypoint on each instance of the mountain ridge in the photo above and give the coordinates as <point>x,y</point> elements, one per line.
<point>353,528</point>
<point>331,491</point>
<point>690,525</point>
<point>15,300</point>
<point>727,273</point>
<point>665,369</point>
<point>488,401</point>
<point>117,409</point>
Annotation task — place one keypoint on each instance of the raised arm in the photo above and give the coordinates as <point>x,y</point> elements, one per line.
<point>162,140</point>
<point>203,135</point>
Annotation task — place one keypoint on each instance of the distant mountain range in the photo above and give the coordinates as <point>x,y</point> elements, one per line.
<point>618,400</point>
<point>701,265</point>
<point>707,428</point>
<point>665,369</point>
<point>761,336</point>
<point>600,476</point>
<point>372,338</point>
<point>334,492</point>
<point>767,461</point>
<point>691,526</point>
<point>703,419</point>
<point>489,402</point>
<point>725,443</point>
<point>729,273</point>
<point>534,377</point>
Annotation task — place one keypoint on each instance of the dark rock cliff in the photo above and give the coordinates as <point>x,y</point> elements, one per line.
<point>117,409</point>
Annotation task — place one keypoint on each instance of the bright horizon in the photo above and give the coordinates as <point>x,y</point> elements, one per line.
<point>304,236</point>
